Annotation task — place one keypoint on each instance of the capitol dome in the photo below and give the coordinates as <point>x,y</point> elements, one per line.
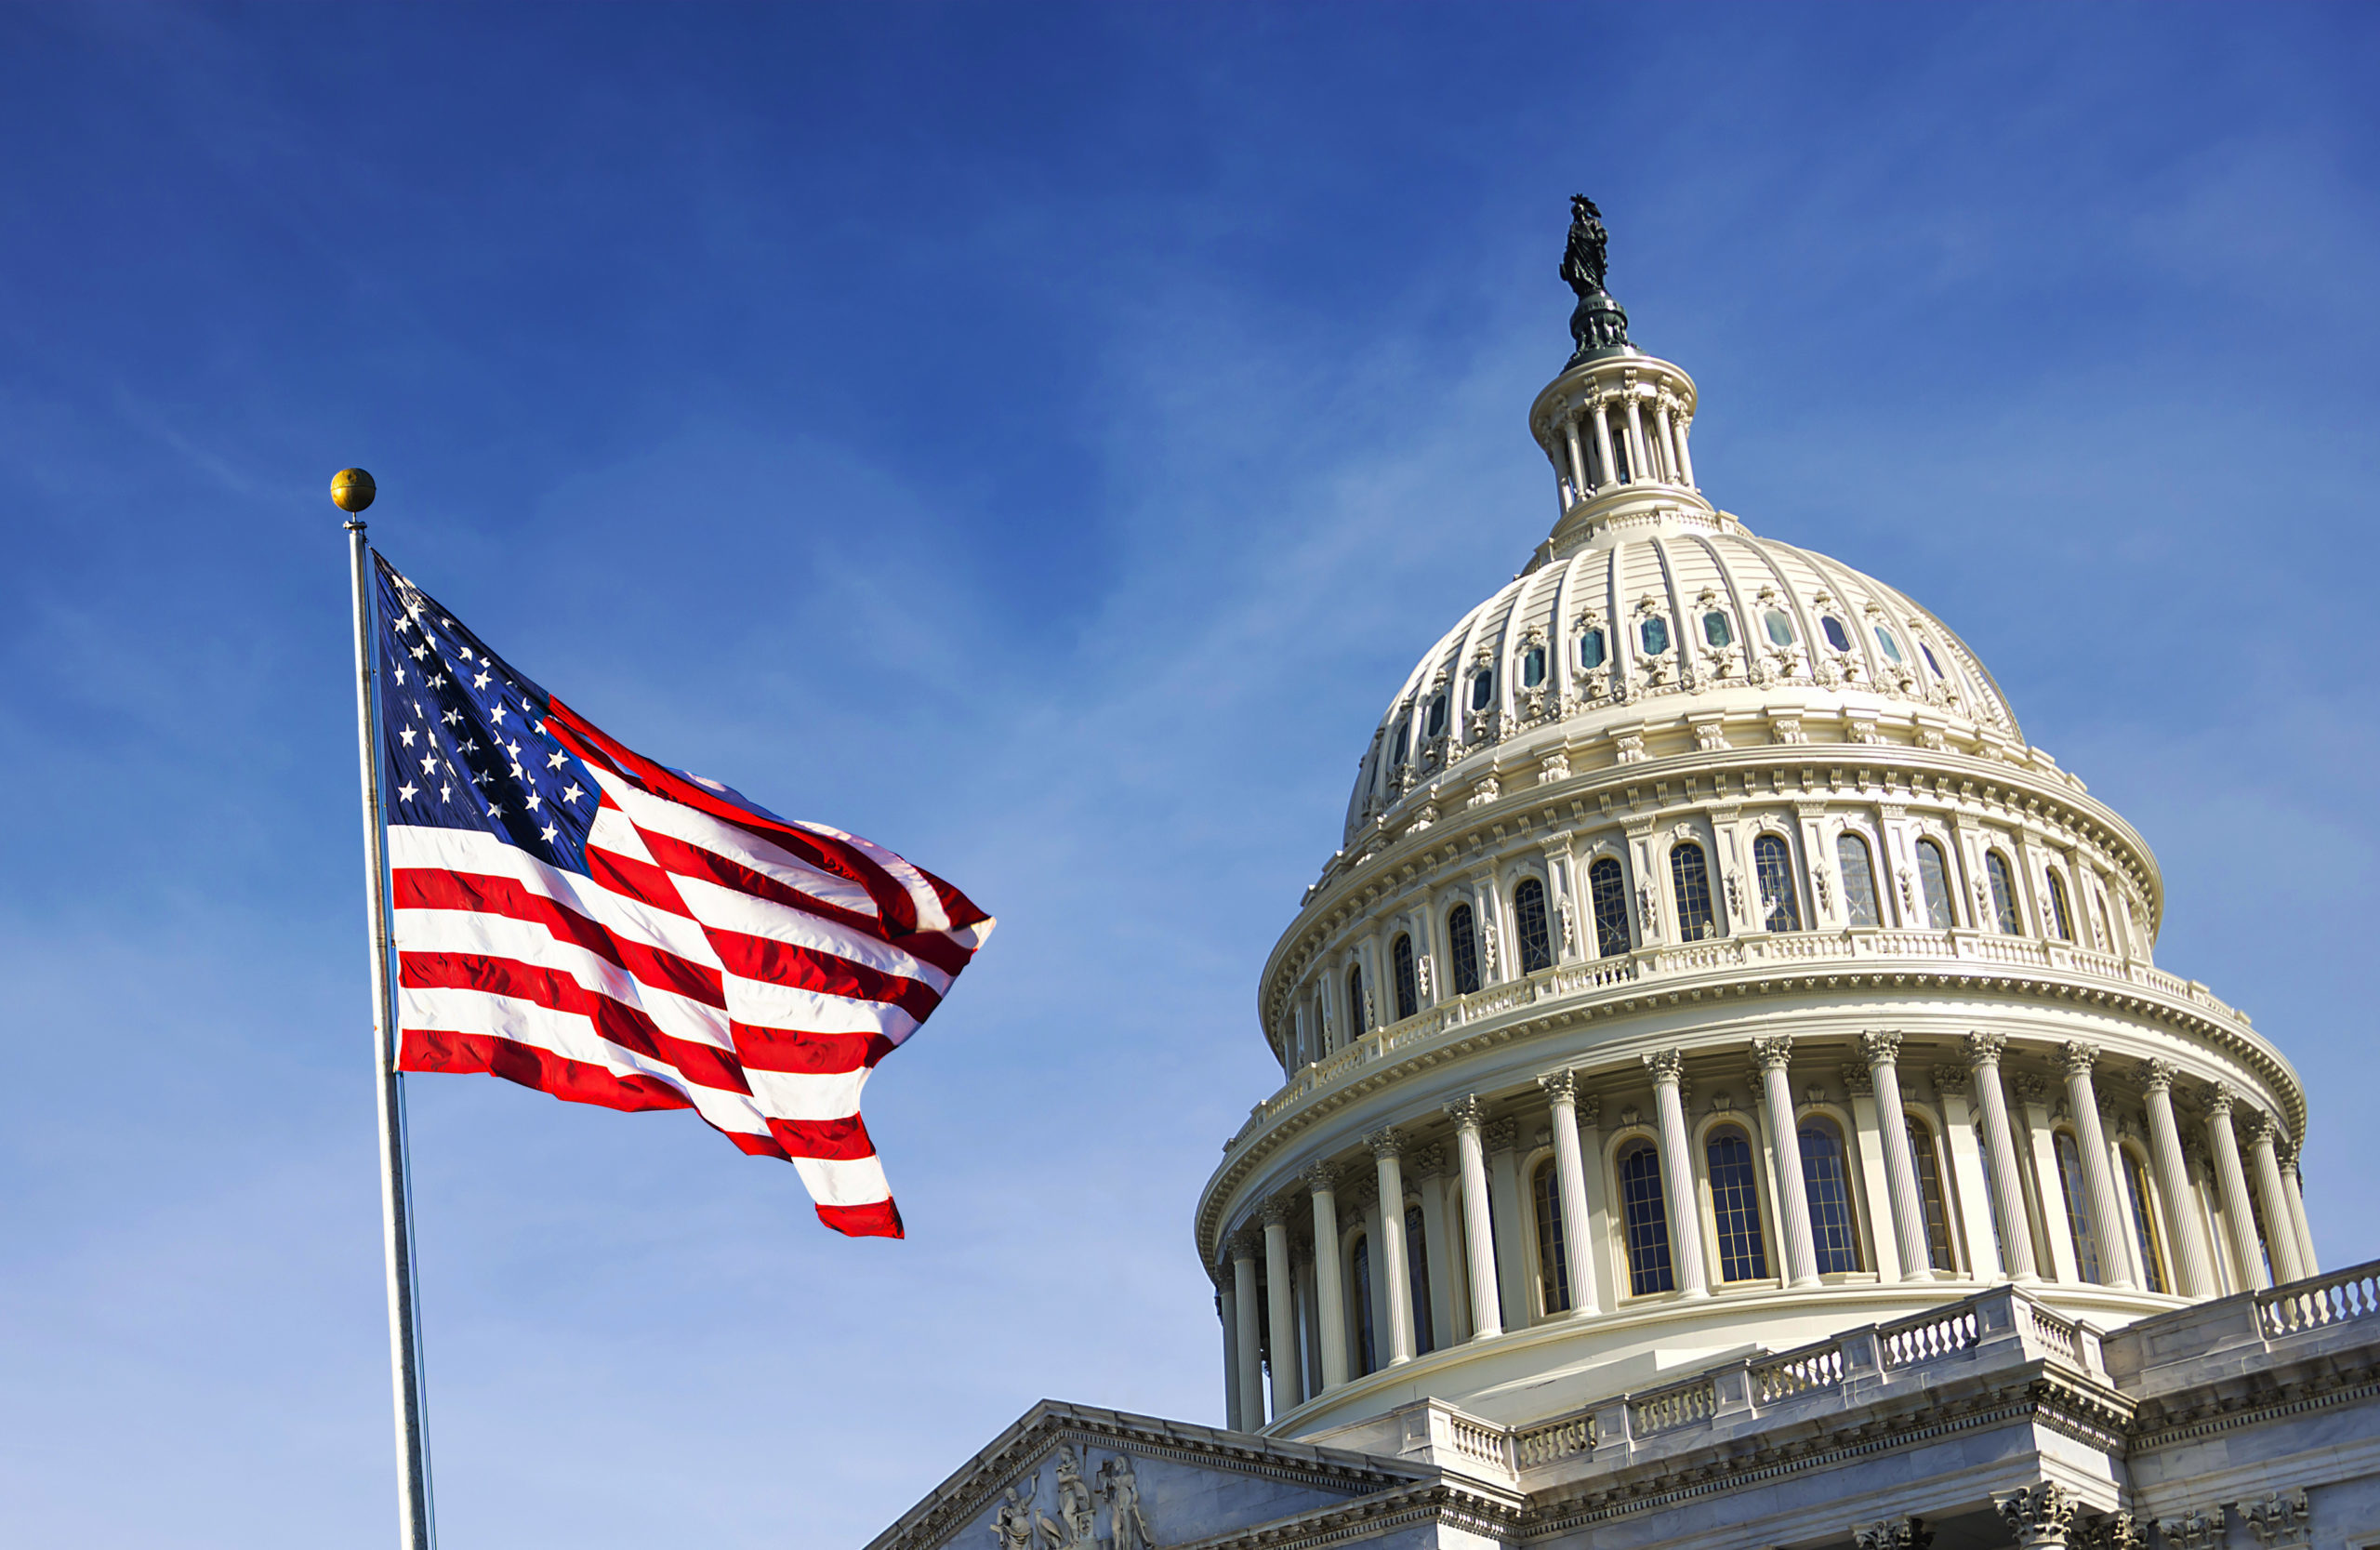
<point>1708,965</point>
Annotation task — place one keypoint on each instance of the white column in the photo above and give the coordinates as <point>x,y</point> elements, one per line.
<point>2280,1228</point>
<point>1686,453</point>
<point>1677,1169</point>
<point>1330,1291</point>
<point>1500,1139</point>
<point>1251,1340</point>
<point>2007,1183</point>
<point>1281,1306</point>
<point>1639,462</point>
<point>1435,1251</point>
<point>1226,1307</point>
<point>2107,1211</point>
<point>2237,1214</point>
<point>1967,1195</point>
<point>1607,470</point>
<point>1774,1056</point>
<point>2290,1186</point>
<point>1309,1330</point>
<point>1487,1319</point>
<point>1577,457</point>
<point>2057,1237</point>
<point>1883,1051</point>
<point>1669,444</point>
<point>1386,1146</point>
<point>1569,1173</point>
<point>1595,1254</point>
<point>2183,1228</point>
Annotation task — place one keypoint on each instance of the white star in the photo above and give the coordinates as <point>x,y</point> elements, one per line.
<point>517,774</point>
<point>418,653</point>
<point>407,737</point>
<point>534,801</point>
<point>478,778</point>
<point>416,710</point>
<point>496,712</point>
<point>464,652</point>
<point>514,749</point>
<point>495,810</point>
<point>546,834</point>
<point>405,792</point>
<point>452,716</point>
<point>403,624</point>
<point>471,745</point>
<point>437,682</point>
<point>400,675</point>
<point>553,760</point>
<point>479,681</point>
<point>446,792</point>
<point>572,794</point>
<point>429,762</point>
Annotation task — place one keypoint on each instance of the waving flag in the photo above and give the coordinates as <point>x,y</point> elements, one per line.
<point>571,915</point>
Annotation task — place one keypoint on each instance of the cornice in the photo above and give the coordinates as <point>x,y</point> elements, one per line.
<point>1472,1510</point>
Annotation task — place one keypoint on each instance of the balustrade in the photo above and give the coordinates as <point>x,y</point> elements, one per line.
<point>1802,1372</point>
<point>2311,1305</point>
<point>1678,1405</point>
<point>1554,1439</point>
<point>1936,1334</point>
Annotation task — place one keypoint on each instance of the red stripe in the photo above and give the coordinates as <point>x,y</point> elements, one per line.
<point>630,1027</point>
<point>572,1080</point>
<point>774,963</point>
<point>842,1140</point>
<point>817,1054</point>
<point>687,859</point>
<point>640,880</point>
<point>882,1219</point>
<point>424,888</point>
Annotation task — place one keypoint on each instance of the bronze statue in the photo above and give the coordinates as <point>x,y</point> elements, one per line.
<point>1582,257</point>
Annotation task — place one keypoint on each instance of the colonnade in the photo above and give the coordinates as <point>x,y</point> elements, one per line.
<point>2037,1199</point>
<point>1625,437</point>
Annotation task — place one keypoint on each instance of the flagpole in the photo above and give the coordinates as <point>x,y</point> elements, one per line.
<point>353,490</point>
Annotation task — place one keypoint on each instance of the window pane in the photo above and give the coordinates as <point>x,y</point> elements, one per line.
<point>1483,690</point>
<point>1533,667</point>
<point>1654,633</point>
<point>1610,891</point>
<point>1408,990</point>
<point>1417,1276</point>
<point>1934,878</point>
<point>1437,723</point>
<point>1355,1018</point>
<point>1553,1266</point>
<point>1462,944</point>
<point>1780,628</point>
<point>2144,1218</point>
<point>2061,921</point>
<point>1735,1207</point>
<point>1399,741</point>
<point>1529,915</point>
<point>1859,879</point>
<point>1836,636</point>
<point>1367,1356</point>
<point>1591,649</point>
<point>1647,1221</point>
<point>1929,1197</point>
<point>1929,661</point>
<point>2004,895</point>
<point>1826,1181</point>
<point>1992,1200</point>
<point>2078,1208</point>
<point>1892,647</point>
<point>1692,881</point>
<point>1715,630</point>
<point>1779,905</point>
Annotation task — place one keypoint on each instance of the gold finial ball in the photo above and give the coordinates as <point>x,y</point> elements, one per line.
<point>352,489</point>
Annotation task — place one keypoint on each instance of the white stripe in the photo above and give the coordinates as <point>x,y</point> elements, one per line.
<point>700,829</point>
<point>930,915</point>
<point>615,831</point>
<point>724,908</point>
<point>763,1005</point>
<point>859,1182</point>
<point>470,850</point>
<point>807,1096</point>
<point>464,931</point>
<point>572,1037</point>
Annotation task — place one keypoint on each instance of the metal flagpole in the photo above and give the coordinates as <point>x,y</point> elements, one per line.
<point>353,490</point>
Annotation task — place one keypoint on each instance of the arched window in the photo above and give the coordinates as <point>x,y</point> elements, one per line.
<point>1735,1206</point>
<point>2061,918</point>
<point>1654,633</point>
<point>1608,891</point>
<point>2078,1208</point>
<point>1417,1278</point>
<point>1462,945</point>
<point>1934,882</point>
<point>1780,908</point>
<point>1409,988</point>
<point>1826,1180</point>
<point>1691,879</point>
<point>1528,918</point>
<point>1716,630</point>
<point>1859,879</point>
<point>1532,667</point>
<point>1646,1220</point>
<point>2004,895</point>
<point>1357,1025</point>
<point>1552,1261</point>
<point>1930,1201</point>
<point>2144,1218</point>
<point>1589,650</point>
<point>1367,1352</point>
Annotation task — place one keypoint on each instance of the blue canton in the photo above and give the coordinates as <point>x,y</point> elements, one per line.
<point>463,738</point>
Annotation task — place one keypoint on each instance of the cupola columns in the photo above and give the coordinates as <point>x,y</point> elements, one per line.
<point>2238,1215</point>
<point>1773,1056</point>
<point>2184,1227</point>
<point>2281,1222</point>
<point>2007,1185</point>
<point>1329,1290</point>
<point>1397,1282</point>
<point>1280,1301</point>
<point>1570,1180</point>
<point>1486,1313</point>
<point>1250,1335</point>
<point>1677,1176</point>
<point>2291,1187</point>
<point>1883,1051</point>
<point>2116,1251</point>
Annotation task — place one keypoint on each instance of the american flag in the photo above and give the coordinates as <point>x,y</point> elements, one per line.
<point>571,915</point>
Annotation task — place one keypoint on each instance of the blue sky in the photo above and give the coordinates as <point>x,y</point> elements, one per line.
<point>1038,439</point>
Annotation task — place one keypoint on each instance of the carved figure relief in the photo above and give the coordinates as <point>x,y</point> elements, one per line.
<point>2200,1529</point>
<point>2279,1519</point>
<point>1019,1522</point>
<point>1130,1529</point>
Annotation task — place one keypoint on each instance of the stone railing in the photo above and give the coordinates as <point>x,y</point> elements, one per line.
<point>2325,1299</point>
<point>1802,1371</point>
<point>1936,1334</point>
<point>1621,974</point>
<point>1482,1442</point>
<point>1678,1405</point>
<point>1534,1446</point>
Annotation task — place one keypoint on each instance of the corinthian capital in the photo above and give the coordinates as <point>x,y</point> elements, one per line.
<point>1561,1086</point>
<point>2219,1100</point>
<point>2079,1057</point>
<point>1466,1113</point>
<point>1900,1533</point>
<point>2156,1076</point>
<point>1667,1066</point>
<point>2263,1127</point>
<point>1773,1055</point>
<point>2039,1516</point>
<point>1320,1176</point>
<point>1882,1047</point>
<point>1385,1142</point>
<point>1983,1049</point>
<point>1276,1212</point>
<point>1949,1079</point>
